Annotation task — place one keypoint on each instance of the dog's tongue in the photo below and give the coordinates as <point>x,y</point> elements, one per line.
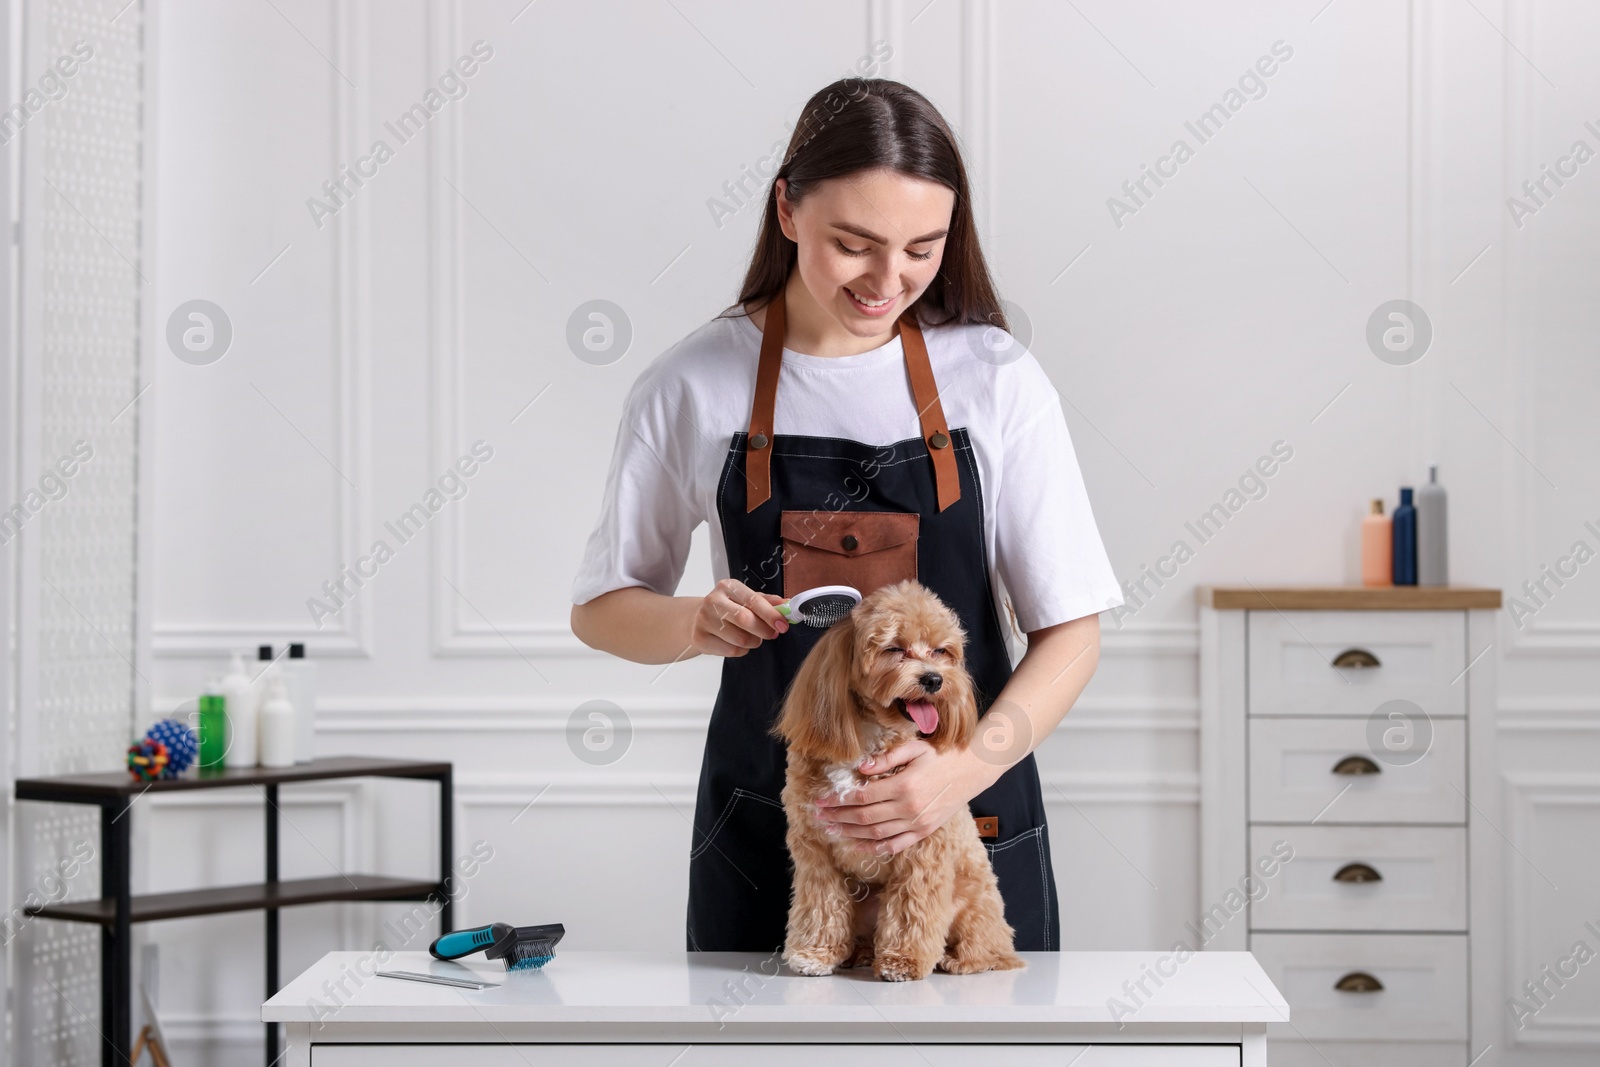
<point>924,714</point>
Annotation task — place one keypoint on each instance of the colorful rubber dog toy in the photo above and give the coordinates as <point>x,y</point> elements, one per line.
<point>147,760</point>
<point>180,743</point>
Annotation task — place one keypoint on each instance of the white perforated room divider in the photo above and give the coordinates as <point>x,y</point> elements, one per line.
<point>79,307</point>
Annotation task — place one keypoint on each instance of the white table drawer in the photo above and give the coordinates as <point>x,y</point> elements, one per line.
<point>1296,1051</point>
<point>893,1054</point>
<point>1420,655</point>
<point>1424,980</point>
<point>1292,775</point>
<point>1421,878</point>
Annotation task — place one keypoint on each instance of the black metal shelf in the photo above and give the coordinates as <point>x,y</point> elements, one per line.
<point>118,909</point>
<point>258,896</point>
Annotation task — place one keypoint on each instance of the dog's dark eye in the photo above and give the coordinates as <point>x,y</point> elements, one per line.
<point>894,649</point>
<point>941,652</point>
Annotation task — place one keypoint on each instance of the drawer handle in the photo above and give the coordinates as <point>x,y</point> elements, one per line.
<point>1357,872</point>
<point>1356,765</point>
<point>1356,657</point>
<point>1358,982</point>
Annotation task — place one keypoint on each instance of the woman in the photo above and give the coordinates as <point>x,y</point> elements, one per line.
<point>847,422</point>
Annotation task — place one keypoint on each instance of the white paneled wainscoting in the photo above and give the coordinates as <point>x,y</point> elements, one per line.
<point>605,853</point>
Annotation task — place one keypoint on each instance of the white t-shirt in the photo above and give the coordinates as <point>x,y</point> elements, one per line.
<point>682,411</point>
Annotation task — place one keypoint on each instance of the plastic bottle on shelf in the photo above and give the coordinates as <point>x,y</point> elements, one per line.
<point>261,672</point>
<point>239,702</point>
<point>1433,552</point>
<point>301,676</point>
<point>277,725</point>
<point>213,726</point>
<point>1377,547</point>
<point>260,669</point>
<point>1404,526</point>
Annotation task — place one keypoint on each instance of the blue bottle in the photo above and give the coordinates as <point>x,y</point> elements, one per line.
<point>1404,523</point>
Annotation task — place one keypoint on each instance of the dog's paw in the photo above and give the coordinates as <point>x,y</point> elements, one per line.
<point>809,963</point>
<point>861,956</point>
<point>895,967</point>
<point>952,964</point>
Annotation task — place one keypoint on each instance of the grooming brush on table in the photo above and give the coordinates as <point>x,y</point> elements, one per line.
<point>522,948</point>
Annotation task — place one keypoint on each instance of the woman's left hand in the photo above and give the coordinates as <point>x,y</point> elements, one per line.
<point>894,813</point>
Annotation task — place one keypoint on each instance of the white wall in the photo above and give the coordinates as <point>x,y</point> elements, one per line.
<point>1226,314</point>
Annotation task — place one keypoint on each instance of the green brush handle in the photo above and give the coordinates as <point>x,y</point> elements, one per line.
<point>453,946</point>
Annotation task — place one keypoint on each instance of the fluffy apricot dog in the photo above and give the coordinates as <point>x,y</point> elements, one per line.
<point>889,672</point>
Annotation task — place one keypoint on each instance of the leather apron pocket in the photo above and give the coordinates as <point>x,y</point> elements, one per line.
<point>862,549</point>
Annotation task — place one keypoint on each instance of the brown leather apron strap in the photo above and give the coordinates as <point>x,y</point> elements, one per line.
<point>935,432</point>
<point>758,446</point>
<point>924,391</point>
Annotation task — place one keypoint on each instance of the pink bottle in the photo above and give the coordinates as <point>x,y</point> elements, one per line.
<point>1377,546</point>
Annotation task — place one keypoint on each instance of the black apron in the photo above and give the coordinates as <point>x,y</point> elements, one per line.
<point>739,866</point>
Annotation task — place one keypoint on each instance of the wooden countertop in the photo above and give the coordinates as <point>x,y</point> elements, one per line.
<point>1347,597</point>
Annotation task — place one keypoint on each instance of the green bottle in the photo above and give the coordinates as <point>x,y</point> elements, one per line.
<point>213,727</point>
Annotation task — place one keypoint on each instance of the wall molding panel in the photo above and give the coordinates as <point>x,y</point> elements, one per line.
<point>1526,793</point>
<point>678,790</point>
<point>350,343</point>
<point>414,715</point>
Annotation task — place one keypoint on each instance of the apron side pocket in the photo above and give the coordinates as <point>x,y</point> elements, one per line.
<point>706,838</point>
<point>1019,865</point>
<point>739,877</point>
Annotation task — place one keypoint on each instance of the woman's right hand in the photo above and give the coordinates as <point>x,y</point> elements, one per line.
<point>733,618</point>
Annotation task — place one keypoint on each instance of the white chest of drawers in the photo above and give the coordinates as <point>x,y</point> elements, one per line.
<point>1355,727</point>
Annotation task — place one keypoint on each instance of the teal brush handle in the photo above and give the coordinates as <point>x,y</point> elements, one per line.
<point>454,945</point>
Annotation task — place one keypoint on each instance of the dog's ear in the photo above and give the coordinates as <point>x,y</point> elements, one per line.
<point>819,718</point>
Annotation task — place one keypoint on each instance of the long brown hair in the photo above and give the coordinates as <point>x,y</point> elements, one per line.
<point>858,124</point>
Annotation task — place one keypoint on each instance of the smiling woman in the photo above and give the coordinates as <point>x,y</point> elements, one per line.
<point>868,274</point>
<point>839,426</point>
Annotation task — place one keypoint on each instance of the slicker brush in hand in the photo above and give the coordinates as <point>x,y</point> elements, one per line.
<point>521,948</point>
<point>821,607</point>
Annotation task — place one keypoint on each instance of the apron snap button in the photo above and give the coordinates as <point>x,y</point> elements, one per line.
<point>849,542</point>
<point>939,440</point>
<point>758,440</point>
